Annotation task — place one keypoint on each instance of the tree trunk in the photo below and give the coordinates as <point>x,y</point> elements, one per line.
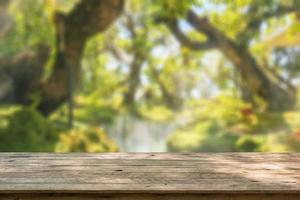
<point>171,99</point>
<point>276,93</point>
<point>88,18</point>
<point>134,81</point>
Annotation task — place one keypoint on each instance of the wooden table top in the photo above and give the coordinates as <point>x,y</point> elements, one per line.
<point>149,173</point>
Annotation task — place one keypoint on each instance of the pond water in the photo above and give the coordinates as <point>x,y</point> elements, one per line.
<point>136,135</point>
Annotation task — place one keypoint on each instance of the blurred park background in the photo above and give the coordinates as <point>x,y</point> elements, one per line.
<point>149,75</point>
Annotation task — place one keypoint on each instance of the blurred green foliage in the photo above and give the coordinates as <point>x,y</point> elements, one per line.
<point>228,124</point>
<point>167,8</point>
<point>24,129</point>
<point>94,111</point>
<point>20,36</point>
<point>92,140</point>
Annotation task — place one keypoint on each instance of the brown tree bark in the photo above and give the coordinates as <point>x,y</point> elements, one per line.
<point>88,18</point>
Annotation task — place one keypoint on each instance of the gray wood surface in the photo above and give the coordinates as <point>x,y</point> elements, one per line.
<point>151,197</point>
<point>149,174</point>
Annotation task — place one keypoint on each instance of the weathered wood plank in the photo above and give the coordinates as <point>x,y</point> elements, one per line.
<point>151,197</point>
<point>162,173</point>
<point>160,156</point>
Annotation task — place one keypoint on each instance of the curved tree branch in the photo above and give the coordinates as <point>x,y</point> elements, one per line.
<point>251,72</point>
<point>184,40</point>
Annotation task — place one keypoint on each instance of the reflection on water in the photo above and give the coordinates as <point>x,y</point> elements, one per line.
<point>136,135</point>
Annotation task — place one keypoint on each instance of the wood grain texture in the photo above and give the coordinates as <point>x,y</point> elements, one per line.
<point>119,174</point>
<point>151,197</point>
